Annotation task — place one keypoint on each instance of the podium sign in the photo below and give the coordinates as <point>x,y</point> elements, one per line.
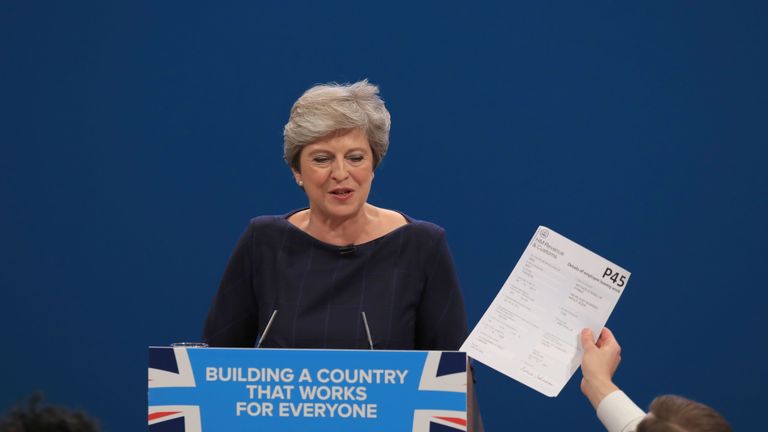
<point>228,389</point>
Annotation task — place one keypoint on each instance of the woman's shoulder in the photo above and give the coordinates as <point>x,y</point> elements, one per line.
<point>266,225</point>
<point>266,230</point>
<point>267,221</point>
<point>422,228</point>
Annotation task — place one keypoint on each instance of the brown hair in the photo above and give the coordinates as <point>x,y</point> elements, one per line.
<point>670,413</point>
<point>38,418</point>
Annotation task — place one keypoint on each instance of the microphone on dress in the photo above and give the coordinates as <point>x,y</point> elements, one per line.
<point>266,329</point>
<point>349,249</point>
<point>367,330</point>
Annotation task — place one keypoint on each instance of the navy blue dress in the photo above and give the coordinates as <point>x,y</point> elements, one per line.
<point>405,282</point>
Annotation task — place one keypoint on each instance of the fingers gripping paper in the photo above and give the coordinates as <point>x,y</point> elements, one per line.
<point>531,330</point>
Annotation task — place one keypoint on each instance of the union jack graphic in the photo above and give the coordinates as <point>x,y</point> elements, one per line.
<point>443,371</point>
<point>174,418</point>
<point>170,367</point>
<point>439,421</point>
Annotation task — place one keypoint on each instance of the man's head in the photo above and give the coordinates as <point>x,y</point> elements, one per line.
<point>37,418</point>
<point>670,413</point>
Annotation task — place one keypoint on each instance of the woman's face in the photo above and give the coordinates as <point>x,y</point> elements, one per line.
<point>337,172</point>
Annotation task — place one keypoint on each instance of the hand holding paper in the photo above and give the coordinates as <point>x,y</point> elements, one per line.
<point>599,364</point>
<point>531,330</point>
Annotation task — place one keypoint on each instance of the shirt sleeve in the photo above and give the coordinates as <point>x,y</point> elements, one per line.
<point>233,318</point>
<point>618,413</point>
<point>441,323</point>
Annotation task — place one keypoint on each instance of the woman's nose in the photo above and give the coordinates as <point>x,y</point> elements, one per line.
<point>339,170</point>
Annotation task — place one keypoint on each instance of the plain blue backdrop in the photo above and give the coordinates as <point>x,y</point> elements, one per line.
<point>137,139</point>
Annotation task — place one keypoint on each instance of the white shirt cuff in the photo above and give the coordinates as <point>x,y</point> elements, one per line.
<point>618,413</point>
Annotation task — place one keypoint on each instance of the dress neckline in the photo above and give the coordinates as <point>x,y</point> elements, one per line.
<point>409,221</point>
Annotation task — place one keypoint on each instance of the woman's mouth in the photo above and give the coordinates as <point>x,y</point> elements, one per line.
<point>341,193</point>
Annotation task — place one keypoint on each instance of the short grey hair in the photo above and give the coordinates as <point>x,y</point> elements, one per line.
<point>328,108</point>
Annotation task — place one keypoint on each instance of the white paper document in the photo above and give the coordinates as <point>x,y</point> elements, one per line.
<point>531,330</point>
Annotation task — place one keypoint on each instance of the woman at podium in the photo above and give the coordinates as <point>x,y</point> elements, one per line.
<point>325,267</point>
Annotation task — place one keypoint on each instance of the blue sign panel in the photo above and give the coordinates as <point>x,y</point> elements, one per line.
<point>227,389</point>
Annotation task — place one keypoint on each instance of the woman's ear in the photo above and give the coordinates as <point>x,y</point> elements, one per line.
<point>297,177</point>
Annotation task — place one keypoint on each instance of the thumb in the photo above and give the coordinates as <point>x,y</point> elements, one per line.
<point>587,340</point>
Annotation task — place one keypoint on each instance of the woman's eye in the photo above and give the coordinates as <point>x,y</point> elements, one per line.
<point>321,159</point>
<point>356,158</point>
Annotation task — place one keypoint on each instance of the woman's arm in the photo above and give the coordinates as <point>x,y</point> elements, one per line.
<point>441,322</point>
<point>233,320</point>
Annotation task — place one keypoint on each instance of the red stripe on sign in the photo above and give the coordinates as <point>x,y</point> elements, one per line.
<point>160,414</point>
<point>458,421</point>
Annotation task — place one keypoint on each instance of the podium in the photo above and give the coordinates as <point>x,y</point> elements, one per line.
<point>234,389</point>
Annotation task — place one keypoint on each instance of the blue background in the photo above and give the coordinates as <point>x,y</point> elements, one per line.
<point>137,139</point>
